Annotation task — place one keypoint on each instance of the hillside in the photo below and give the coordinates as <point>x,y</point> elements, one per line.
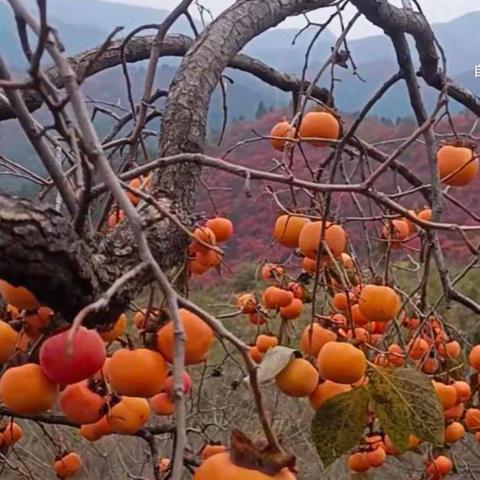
<point>254,215</point>
<point>183,296</point>
<point>84,24</point>
<point>76,37</point>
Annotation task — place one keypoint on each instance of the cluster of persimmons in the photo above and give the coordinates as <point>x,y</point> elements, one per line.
<point>100,393</point>
<point>142,184</point>
<point>337,349</point>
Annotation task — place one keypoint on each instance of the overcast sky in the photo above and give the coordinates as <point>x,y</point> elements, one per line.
<point>436,10</point>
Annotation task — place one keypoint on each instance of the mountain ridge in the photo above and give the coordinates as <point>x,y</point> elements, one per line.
<point>84,24</point>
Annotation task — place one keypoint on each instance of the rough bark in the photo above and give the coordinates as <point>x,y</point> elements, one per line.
<point>42,252</point>
<point>39,249</point>
<point>393,19</point>
<point>185,118</point>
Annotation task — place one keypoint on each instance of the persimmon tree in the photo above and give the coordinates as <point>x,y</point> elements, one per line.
<point>113,238</point>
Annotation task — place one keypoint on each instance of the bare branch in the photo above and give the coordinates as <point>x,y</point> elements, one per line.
<point>38,142</point>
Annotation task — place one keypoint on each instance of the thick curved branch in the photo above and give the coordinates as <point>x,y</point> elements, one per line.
<point>184,122</point>
<point>382,13</point>
<point>53,419</point>
<point>40,250</point>
<point>393,19</point>
<point>138,49</point>
<point>185,119</point>
<point>395,22</point>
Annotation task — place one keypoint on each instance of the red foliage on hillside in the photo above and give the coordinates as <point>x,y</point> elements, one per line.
<point>253,209</point>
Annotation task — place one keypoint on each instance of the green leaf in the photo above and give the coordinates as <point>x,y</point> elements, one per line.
<point>406,404</point>
<point>392,414</point>
<point>274,361</point>
<point>339,424</point>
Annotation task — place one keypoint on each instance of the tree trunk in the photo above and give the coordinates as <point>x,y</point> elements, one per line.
<point>40,249</point>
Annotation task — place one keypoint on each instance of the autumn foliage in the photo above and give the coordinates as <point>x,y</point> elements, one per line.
<point>312,295</point>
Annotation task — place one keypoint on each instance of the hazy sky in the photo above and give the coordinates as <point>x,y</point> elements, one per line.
<point>436,10</point>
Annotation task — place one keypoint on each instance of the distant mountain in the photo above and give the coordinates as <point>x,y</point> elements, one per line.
<point>285,49</point>
<point>110,86</point>
<point>351,93</point>
<point>104,15</point>
<point>83,24</point>
<point>375,60</point>
<point>457,37</point>
<point>75,37</point>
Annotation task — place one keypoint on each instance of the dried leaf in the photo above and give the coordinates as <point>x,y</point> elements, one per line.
<point>341,58</point>
<point>339,424</point>
<point>406,404</point>
<point>274,361</point>
<point>259,455</point>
